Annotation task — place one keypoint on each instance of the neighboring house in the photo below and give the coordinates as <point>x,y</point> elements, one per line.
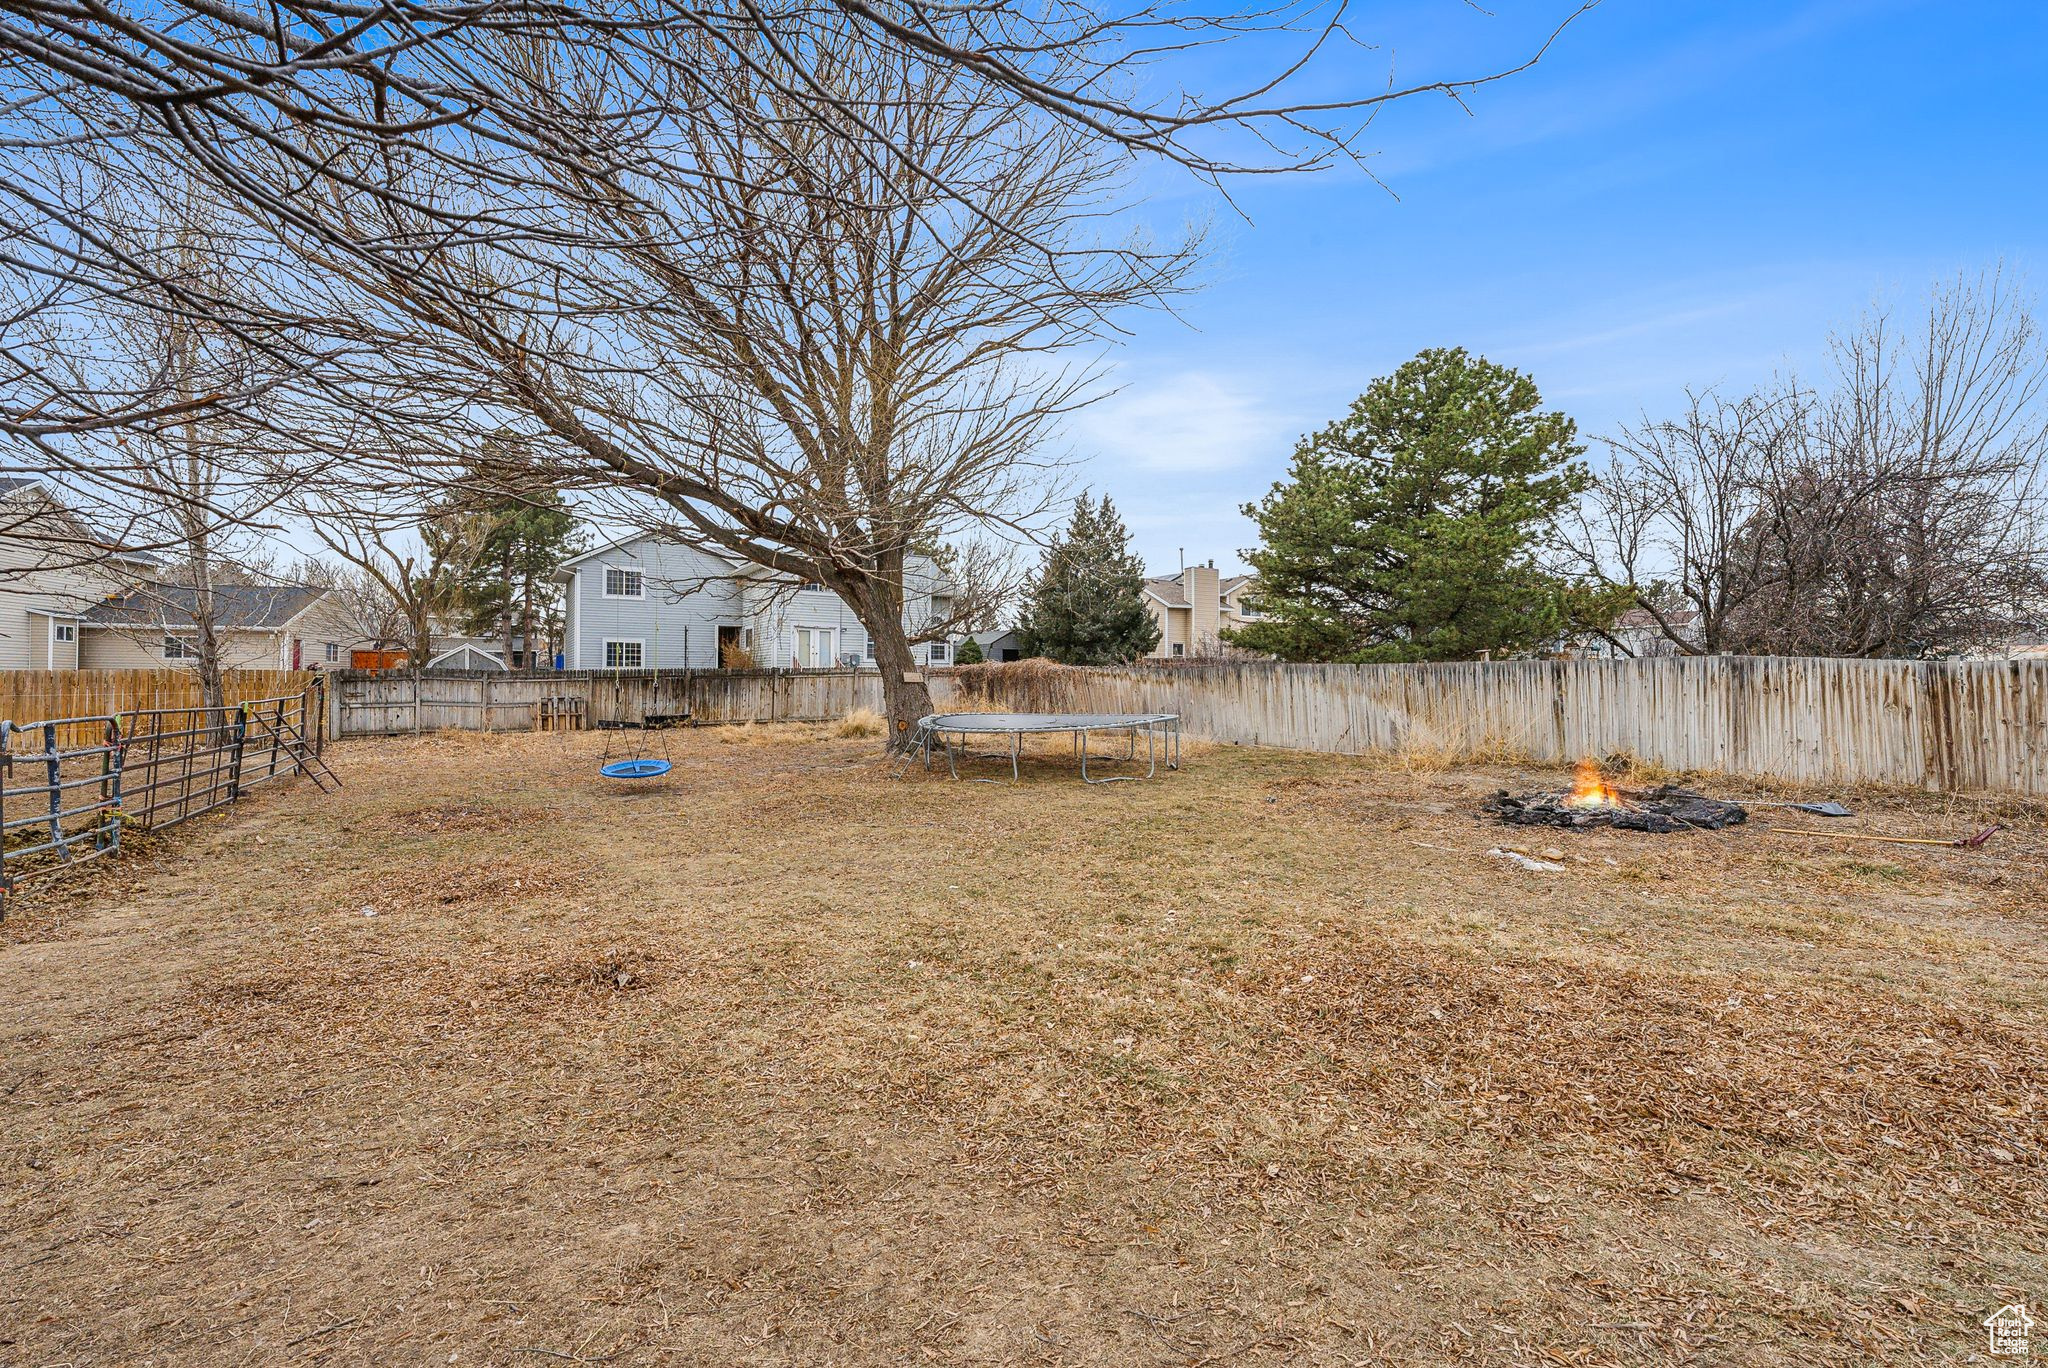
<point>648,603</point>
<point>997,646</point>
<point>71,598</point>
<point>259,627</point>
<point>53,568</point>
<point>1194,608</point>
<point>1638,636</point>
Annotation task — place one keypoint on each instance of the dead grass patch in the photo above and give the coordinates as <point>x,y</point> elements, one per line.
<point>1260,1062</point>
<point>452,818</point>
<point>858,723</point>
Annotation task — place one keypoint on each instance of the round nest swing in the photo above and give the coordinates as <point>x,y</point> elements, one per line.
<point>646,768</point>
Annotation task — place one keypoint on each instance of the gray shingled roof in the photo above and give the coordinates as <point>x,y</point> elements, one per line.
<point>1171,590</point>
<point>255,607</point>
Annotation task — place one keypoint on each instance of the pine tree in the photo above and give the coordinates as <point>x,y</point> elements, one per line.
<point>1410,529</point>
<point>1087,603</point>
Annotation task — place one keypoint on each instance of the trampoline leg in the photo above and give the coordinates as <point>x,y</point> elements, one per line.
<point>1110,779</point>
<point>1016,749</point>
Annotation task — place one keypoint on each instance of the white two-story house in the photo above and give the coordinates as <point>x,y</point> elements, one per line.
<point>645,602</point>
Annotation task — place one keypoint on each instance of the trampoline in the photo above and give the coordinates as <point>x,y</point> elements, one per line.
<point>950,731</point>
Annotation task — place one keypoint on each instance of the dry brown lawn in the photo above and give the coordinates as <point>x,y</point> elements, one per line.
<point>782,1060</point>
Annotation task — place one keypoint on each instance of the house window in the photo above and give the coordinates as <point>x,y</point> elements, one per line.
<point>623,655</point>
<point>810,587</point>
<point>333,653</point>
<point>67,631</point>
<point>941,652</point>
<point>1180,648</point>
<point>813,648</point>
<point>176,649</point>
<point>621,582</point>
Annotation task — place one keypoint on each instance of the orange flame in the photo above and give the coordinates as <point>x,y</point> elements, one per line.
<point>1589,788</point>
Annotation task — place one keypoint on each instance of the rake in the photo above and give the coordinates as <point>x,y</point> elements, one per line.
<point>1958,843</point>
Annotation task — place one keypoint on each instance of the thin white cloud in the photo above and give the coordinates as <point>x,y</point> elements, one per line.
<point>1189,422</point>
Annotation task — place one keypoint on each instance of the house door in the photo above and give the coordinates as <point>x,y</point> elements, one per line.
<point>728,642</point>
<point>814,649</point>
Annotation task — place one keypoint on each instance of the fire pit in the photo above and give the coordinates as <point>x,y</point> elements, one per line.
<point>1592,801</point>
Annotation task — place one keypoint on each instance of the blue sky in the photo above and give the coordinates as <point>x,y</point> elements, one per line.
<point>1682,193</point>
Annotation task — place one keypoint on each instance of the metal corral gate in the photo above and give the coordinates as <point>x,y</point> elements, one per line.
<point>70,786</point>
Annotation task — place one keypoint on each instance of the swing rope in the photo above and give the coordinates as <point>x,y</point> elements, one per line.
<point>640,766</point>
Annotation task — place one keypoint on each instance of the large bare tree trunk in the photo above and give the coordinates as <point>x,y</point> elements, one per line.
<point>905,695</point>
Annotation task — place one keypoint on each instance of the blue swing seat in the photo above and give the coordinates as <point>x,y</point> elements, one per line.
<point>634,769</point>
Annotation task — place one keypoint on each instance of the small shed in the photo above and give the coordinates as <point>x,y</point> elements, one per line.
<point>997,646</point>
<point>465,657</point>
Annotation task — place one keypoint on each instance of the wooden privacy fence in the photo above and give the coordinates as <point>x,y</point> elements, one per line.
<point>1953,724</point>
<point>1950,724</point>
<point>35,694</point>
<point>383,703</point>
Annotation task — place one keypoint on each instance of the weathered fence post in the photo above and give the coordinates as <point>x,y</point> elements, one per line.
<point>7,730</point>
<point>241,733</point>
<point>55,762</point>
<point>316,708</point>
<point>110,785</point>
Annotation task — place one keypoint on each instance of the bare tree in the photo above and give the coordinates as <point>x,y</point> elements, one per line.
<point>1898,511</point>
<point>629,229</point>
<point>816,378</point>
<point>276,108</point>
<point>191,482</point>
<point>362,606</point>
<point>406,584</point>
<point>1683,514</point>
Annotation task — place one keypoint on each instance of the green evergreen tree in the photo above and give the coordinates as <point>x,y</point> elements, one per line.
<point>511,539</point>
<point>1411,528</point>
<point>1087,603</point>
<point>969,653</point>
<point>511,582</point>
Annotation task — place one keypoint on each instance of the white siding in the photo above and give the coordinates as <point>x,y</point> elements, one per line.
<point>139,648</point>
<point>27,581</point>
<point>689,594</point>
<point>326,623</point>
<point>776,614</point>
